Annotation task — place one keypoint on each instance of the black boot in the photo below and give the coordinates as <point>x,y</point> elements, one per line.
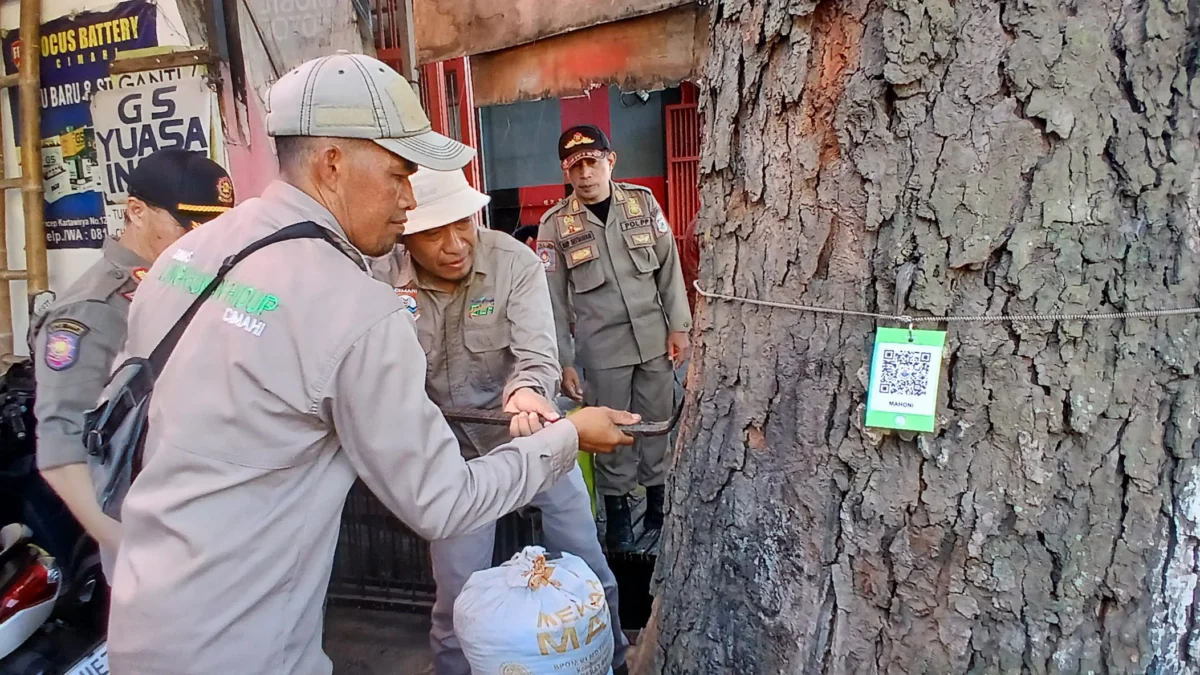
<point>654,507</point>
<point>618,526</point>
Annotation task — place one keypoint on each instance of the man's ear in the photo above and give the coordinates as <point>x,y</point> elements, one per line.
<point>330,160</point>
<point>135,209</point>
<point>612,160</point>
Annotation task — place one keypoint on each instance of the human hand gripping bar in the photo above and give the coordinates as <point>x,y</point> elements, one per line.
<point>498,418</point>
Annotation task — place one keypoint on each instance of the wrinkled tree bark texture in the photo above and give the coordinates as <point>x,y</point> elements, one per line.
<point>1023,156</point>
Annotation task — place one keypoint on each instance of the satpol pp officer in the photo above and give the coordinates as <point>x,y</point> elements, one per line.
<point>77,337</point>
<point>609,254</point>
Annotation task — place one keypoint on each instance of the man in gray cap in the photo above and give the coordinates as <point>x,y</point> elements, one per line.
<point>300,374</point>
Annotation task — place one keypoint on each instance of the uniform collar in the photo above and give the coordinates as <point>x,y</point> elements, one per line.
<point>615,192</point>
<point>617,197</point>
<point>304,208</point>
<point>120,255</point>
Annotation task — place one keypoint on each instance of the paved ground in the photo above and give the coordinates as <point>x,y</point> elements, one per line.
<point>367,642</point>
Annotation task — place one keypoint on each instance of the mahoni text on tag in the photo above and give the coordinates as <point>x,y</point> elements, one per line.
<point>905,368</point>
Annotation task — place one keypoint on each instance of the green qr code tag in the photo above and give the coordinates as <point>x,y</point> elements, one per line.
<point>905,369</point>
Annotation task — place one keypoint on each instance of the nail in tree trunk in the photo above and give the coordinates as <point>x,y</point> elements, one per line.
<point>1033,156</point>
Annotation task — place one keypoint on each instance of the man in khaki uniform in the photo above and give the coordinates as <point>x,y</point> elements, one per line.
<point>76,339</point>
<point>609,255</point>
<point>298,375</point>
<point>484,320</point>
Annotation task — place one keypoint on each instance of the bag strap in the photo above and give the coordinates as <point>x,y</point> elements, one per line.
<point>304,230</point>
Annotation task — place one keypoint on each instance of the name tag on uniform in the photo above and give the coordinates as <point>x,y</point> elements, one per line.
<point>581,238</point>
<point>581,255</point>
<point>635,224</point>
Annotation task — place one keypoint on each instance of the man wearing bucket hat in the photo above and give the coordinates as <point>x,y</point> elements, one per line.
<point>299,374</point>
<point>614,272</point>
<point>77,337</point>
<point>484,320</point>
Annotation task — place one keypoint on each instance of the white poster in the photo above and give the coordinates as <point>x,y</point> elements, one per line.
<point>133,122</point>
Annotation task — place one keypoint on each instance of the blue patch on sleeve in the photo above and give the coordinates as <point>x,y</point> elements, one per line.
<point>62,343</point>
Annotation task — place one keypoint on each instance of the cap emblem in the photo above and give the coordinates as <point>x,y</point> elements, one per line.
<point>578,139</point>
<point>225,190</point>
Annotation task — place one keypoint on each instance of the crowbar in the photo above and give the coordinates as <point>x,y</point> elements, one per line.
<point>498,418</point>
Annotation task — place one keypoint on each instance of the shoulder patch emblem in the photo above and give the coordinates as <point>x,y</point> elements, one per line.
<point>408,296</point>
<point>574,204</point>
<point>633,207</point>
<point>661,224</point>
<point>545,251</point>
<point>568,225</point>
<point>62,343</point>
<point>137,274</point>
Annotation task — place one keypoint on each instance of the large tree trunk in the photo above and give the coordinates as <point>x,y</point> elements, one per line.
<point>1024,156</point>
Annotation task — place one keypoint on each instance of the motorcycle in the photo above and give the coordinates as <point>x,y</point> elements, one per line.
<point>53,597</point>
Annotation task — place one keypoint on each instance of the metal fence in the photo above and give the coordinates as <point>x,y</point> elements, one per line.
<point>382,564</point>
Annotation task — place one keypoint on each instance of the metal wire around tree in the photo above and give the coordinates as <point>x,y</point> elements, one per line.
<point>981,318</point>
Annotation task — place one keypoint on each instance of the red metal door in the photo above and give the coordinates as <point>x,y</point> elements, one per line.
<point>683,160</point>
<point>462,120</point>
<point>683,182</point>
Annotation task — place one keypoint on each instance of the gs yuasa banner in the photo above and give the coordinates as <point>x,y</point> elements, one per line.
<point>76,51</point>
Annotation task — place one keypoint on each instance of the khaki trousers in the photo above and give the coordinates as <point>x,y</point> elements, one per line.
<point>647,389</point>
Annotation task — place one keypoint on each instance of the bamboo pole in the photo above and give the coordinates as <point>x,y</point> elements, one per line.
<point>6,316</point>
<point>29,83</point>
<point>29,137</point>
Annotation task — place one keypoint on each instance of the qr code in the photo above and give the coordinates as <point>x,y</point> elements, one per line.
<point>905,372</point>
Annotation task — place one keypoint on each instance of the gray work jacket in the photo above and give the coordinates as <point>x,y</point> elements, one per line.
<point>300,374</point>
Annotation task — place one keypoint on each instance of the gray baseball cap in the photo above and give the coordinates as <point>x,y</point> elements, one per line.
<point>355,96</point>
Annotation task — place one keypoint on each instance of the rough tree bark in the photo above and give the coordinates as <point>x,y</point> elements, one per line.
<point>1025,156</point>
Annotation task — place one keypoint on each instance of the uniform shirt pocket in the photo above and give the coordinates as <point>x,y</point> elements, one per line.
<point>491,359</point>
<point>641,249</point>
<point>587,276</point>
